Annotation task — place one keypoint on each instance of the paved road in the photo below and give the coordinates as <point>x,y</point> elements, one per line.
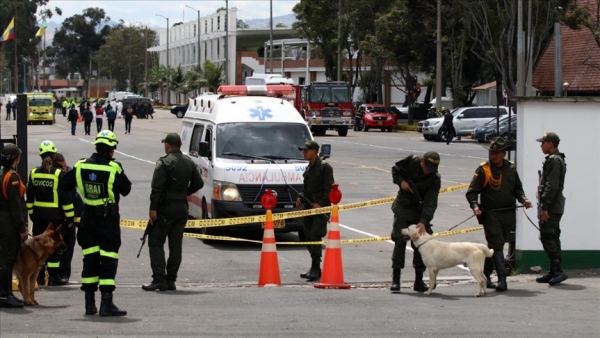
<point>217,297</point>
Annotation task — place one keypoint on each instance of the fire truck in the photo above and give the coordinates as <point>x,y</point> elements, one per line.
<point>326,106</point>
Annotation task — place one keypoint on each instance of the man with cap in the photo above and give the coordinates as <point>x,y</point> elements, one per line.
<point>318,180</point>
<point>175,177</point>
<point>416,202</point>
<point>552,205</point>
<point>491,195</point>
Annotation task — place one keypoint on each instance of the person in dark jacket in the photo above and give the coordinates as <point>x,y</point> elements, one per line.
<point>8,108</point>
<point>448,125</point>
<point>88,117</point>
<point>416,202</point>
<point>72,117</point>
<point>13,228</point>
<point>69,233</point>
<point>129,112</point>
<point>552,206</point>
<point>111,116</point>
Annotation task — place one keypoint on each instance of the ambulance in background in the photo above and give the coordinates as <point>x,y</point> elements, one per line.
<point>40,108</point>
<point>244,140</point>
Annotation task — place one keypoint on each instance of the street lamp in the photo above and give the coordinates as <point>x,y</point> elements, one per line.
<point>168,72</point>
<point>145,59</point>
<point>226,42</point>
<point>197,49</point>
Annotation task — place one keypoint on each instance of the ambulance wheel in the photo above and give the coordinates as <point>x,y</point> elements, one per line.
<point>206,231</point>
<point>342,131</point>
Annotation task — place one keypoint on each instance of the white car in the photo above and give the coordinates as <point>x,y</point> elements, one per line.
<point>465,120</point>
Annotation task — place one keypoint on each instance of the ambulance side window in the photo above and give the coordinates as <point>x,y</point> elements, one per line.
<point>196,138</point>
<point>208,138</point>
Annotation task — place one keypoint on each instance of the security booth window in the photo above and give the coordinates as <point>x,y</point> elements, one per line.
<point>276,140</point>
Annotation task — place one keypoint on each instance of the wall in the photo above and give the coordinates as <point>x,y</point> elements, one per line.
<point>577,121</point>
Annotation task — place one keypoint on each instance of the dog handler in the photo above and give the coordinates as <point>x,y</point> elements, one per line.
<point>416,202</point>
<point>100,180</point>
<point>13,227</point>
<point>498,183</point>
<point>46,204</point>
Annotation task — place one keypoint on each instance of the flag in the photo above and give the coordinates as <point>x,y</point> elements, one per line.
<point>42,29</point>
<point>9,33</point>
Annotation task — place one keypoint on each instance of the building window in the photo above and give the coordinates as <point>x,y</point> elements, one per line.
<point>218,47</point>
<point>195,30</point>
<point>205,26</point>
<point>301,80</point>
<point>212,24</point>
<point>219,23</point>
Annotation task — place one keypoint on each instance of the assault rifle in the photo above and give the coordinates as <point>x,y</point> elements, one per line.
<point>539,197</point>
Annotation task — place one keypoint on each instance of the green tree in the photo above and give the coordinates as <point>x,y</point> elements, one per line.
<point>584,13</point>
<point>214,75</point>
<point>242,24</point>
<point>79,38</point>
<point>280,25</point>
<point>195,78</point>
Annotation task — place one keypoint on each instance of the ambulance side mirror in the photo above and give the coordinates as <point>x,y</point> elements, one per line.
<point>325,151</point>
<point>204,150</point>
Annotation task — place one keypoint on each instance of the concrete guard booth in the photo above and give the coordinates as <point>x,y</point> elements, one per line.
<point>577,121</point>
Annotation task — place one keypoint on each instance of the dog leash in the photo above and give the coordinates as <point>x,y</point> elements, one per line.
<point>490,210</point>
<point>530,221</point>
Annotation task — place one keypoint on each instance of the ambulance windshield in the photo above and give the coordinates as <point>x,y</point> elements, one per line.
<point>262,139</point>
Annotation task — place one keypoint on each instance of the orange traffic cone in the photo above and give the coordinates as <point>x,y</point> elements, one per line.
<point>79,118</point>
<point>269,264</point>
<point>333,272</point>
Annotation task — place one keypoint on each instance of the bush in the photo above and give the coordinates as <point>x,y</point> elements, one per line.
<point>403,126</point>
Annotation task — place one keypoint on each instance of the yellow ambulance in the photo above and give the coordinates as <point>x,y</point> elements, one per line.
<point>40,108</point>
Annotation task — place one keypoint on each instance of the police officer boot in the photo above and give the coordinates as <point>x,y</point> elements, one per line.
<point>488,267</point>
<point>7,299</point>
<point>304,274</point>
<point>90,303</point>
<point>314,273</point>
<point>499,262</point>
<point>107,308</point>
<point>547,277</point>
<point>559,275</point>
<point>419,285</point>
<point>395,288</point>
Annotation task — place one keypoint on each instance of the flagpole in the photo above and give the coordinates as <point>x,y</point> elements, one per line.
<point>16,84</point>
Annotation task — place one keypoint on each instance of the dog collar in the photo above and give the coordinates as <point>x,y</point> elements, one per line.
<point>423,243</point>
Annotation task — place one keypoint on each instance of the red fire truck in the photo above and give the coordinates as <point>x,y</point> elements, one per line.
<point>326,105</point>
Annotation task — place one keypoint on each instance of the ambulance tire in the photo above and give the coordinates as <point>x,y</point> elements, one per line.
<point>207,231</point>
<point>342,131</point>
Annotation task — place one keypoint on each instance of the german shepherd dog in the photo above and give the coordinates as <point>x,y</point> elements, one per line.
<point>34,253</point>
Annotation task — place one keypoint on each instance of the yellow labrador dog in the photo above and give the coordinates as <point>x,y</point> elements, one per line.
<point>439,255</point>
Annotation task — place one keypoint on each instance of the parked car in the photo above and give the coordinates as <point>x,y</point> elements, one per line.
<point>375,115</point>
<point>179,110</point>
<point>402,112</point>
<point>490,133</point>
<point>465,120</point>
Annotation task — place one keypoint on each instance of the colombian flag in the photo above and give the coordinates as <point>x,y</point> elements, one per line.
<point>42,29</point>
<point>9,33</point>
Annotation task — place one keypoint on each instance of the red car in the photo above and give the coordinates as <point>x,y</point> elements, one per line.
<point>375,115</point>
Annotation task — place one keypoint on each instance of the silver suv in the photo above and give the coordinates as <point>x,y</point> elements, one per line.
<point>465,120</point>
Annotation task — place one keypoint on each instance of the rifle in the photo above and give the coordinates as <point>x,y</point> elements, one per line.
<point>147,231</point>
<point>306,199</point>
<point>539,197</point>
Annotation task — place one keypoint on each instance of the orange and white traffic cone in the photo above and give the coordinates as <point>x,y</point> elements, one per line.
<point>333,272</point>
<point>79,118</point>
<point>269,263</point>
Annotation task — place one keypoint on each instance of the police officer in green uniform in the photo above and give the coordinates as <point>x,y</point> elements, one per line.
<point>318,180</point>
<point>46,204</point>
<point>175,177</point>
<point>552,206</point>
<point>13,227</point>
<point>101,181</point>
<point>415,203</point>
<point>497,184</point>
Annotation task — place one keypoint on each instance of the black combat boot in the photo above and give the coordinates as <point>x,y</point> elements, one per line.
<point>304,274</point>
<point>395,288</point>
<point>499,262</point>
<point>419,285</point>
<point>7,299</point>
<point>57,280</point>
<point>314,273</point>
<point>90,303</point>
<point>547,277</point>
<point>107,308</point>
<point>488,267</point>
<point>559,275</point>
<point>171,285</point>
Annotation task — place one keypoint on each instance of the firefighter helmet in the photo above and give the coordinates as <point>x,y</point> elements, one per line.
<point>107,137</point>
<point>47,147</point>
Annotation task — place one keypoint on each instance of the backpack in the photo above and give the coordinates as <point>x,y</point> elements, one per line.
<point>129,112</point>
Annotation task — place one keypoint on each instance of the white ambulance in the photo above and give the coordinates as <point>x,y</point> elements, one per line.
<point>244,140</point>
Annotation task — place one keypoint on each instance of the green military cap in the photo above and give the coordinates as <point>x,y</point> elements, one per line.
<point>498,144</point>
<point>11,151</point>
<point>432,160</point>
<point>309,145</point>
<point>172,139</point>
<point>550,137</point>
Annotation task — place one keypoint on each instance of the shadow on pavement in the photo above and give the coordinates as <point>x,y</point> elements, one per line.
<point>568,287</point>
<point>515,293</point>
<point>48,307</point>
<point>22,311</point>
<point>112,320</point>
<point>183,293</point>
<point>247,246</point>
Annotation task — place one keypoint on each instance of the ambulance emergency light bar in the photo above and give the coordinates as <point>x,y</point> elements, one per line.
<point>256,90</point>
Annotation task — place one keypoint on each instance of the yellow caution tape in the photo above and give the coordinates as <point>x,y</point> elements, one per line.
<point>343,241</point>
<point>219,222</point>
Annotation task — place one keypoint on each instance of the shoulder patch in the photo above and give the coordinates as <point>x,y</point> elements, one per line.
<point>165,155</point>
<point>511,162</point>
<point>438,174</point>
<point>482,163</point>
<point>552,156</point>
<point>158,164</point>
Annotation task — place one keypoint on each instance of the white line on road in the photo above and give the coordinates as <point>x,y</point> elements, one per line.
<point>122,153</point>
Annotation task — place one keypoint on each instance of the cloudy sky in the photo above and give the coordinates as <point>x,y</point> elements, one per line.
<point>145,11</point>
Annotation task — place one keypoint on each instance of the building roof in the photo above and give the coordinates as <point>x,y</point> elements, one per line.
<point>580,59</point>
<point>486,86</point>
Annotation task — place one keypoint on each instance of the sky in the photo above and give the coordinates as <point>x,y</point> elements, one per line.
<point>144,11</point>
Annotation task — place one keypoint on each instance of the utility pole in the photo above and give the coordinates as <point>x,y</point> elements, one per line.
<point>438,70</point>
<point>339,51</point>
<point>145,61</point>
<point>520,51</point>
<point>271,38</point>
<point>529,89</point>
<point>168,71</point>
<point>198,34</point>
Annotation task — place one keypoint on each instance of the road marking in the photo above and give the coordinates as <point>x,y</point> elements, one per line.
<point>391,242</point>
<point>122,153</point>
